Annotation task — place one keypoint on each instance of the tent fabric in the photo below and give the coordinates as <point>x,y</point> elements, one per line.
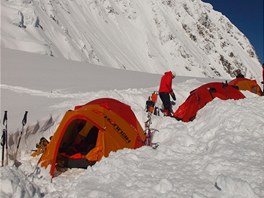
<point>94,130</point>
<point>199,97</point>
<point>247,85</point>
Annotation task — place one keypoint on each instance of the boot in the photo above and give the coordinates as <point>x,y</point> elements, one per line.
<point>166,112</point>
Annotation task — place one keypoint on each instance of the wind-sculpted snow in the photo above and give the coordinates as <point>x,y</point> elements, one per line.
<point>14,183</point>
<point>148,36</point>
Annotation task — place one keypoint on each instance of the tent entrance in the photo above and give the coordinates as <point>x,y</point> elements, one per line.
<point>80,137</point>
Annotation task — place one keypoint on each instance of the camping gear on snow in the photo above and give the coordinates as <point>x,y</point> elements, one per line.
<point>41,147</point>
<point>247,85</point>
<point>150,132</point>
<point>199,97</point>
<point>151,103</point>
<point>92,131</point>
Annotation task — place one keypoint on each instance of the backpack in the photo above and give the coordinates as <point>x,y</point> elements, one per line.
<point>151,103</point>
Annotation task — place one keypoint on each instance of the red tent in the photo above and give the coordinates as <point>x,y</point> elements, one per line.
<point>199,97</point>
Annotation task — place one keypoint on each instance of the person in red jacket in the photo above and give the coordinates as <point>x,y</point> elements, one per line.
<point>165,91</point>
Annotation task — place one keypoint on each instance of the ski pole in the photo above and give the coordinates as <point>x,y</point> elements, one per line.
<point>3,146</point>
<point>3,138</point>
<point>24,121</point>
<point>6,135</point>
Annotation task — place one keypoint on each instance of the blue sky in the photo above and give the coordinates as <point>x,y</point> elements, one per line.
<point>247,16</point>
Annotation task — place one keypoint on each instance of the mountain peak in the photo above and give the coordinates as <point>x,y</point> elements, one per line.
<point>151,36</point>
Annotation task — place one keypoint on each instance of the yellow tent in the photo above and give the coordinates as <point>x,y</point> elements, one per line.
<point>105,124</point>
<point>247,84</point>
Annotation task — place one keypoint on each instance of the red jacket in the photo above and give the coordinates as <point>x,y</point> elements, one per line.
<point>166,82</point>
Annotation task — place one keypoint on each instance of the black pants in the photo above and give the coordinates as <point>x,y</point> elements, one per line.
<point>165,98</point>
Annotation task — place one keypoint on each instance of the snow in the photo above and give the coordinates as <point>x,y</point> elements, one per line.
<point>85,50</point>
<point>220,154</point>
<point>151,36</point>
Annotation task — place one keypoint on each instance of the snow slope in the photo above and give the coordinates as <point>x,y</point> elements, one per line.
<point>220,154</point>
<point>86,50</point>
<point>153,36</point>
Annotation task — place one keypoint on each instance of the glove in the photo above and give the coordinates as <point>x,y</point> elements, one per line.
<point>262,82</point>
<point>173,95</point>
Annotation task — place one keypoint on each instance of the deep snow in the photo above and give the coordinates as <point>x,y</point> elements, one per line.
<point>220,154</point>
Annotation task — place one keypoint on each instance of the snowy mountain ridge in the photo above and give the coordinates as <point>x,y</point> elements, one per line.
<point>153,36</point>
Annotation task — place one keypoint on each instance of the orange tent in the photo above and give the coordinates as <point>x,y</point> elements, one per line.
<point>199,97</point>
<point>247,84</point>
<point>108,124</point>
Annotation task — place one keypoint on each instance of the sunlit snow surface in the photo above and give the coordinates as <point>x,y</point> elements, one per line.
<point>220,154</point>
